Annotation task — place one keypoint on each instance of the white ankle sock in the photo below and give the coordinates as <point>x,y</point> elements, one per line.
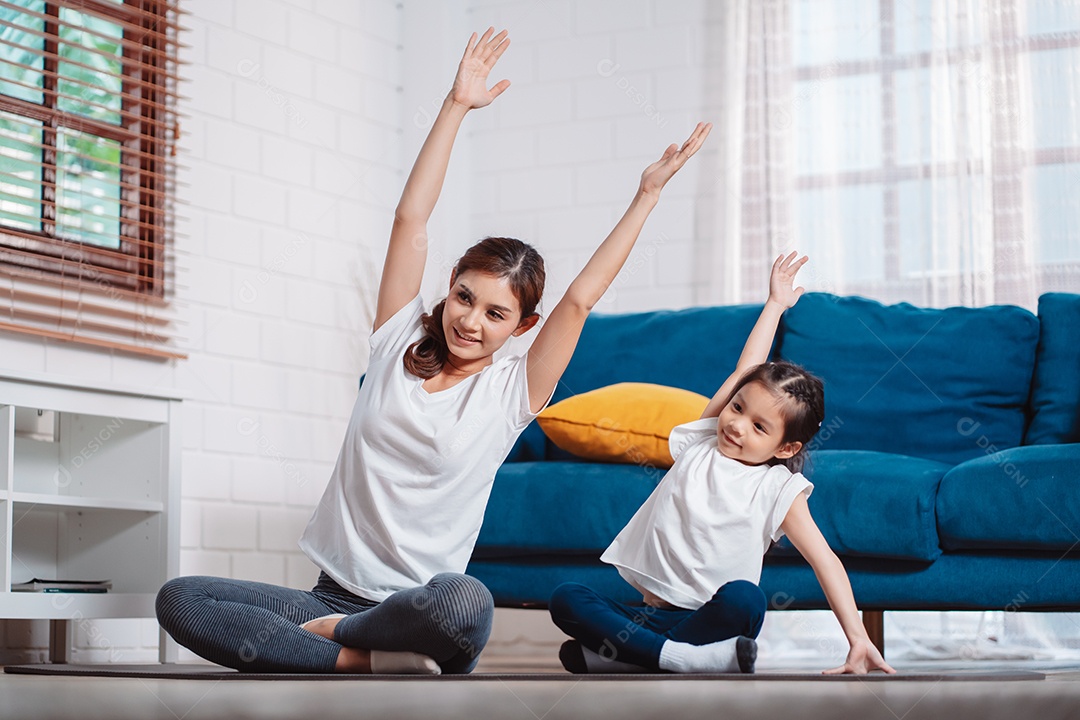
<point>386,662</point>
<point>718,657</point>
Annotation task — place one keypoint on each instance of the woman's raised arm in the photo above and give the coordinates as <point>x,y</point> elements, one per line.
<point>403,269</point>
<point>554,345</point>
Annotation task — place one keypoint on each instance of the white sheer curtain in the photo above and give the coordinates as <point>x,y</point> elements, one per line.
<point>917,150</point>
<point>925,151</point>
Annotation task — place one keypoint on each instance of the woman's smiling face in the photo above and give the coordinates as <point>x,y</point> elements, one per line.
<point>480,314</point>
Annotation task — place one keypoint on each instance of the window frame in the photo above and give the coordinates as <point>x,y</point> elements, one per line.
<point>138,267</point>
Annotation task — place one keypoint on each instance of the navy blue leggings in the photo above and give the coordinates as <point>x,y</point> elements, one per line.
<point>255,627</point>
<point>635,634</point>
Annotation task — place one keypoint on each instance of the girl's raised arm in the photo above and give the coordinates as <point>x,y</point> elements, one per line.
<point>403,269</point>
<point>554,345</point>
<point>756,351</point>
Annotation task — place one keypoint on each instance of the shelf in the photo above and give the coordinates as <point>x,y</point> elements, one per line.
<point>88,478</point>
<point>78,384</point>
<point>73,502</point>
<point>63,606</point>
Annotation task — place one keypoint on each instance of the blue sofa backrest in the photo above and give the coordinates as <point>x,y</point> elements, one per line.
<point>944,384</point>
<point>694,349</point>
<point>1055,390</point>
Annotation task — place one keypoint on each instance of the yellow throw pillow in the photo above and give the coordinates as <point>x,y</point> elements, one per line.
<point>627,422</point>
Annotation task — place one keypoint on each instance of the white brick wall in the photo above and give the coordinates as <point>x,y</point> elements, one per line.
<point>292,155</point>
<point>599,89</point>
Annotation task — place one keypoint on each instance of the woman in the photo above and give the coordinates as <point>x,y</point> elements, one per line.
<point>434,420</point>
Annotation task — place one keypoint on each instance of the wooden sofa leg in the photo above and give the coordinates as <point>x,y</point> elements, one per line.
<point>874,622</point>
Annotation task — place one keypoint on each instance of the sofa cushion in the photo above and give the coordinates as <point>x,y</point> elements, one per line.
<point>561,507</point>
<point>926,383</point>
<point>1022,498</point>
<point>694,349</point>
<point>625,422</point>
<point>1055,391</point>
<point>873,504</point>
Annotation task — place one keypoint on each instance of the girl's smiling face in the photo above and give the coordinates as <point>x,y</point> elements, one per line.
<point>750,428</point>
<point>480,314</point>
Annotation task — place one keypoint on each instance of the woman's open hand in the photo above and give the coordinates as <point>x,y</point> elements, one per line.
<point>656,175</point>
<point>782,280</point>
<point>470,86</point>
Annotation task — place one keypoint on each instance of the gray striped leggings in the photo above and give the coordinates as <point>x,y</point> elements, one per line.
<point>255,627</point>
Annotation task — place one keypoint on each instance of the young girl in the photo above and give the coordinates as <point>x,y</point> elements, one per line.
<point>694,548</point>
<point>433,421</point>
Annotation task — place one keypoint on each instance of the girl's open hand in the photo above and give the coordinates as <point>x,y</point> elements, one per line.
<point>861,659</point>
<point>470,86</point>
<point>656,175</point>
<point>782,279</point>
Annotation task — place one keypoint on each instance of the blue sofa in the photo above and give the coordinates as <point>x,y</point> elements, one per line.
<point>946,472</point>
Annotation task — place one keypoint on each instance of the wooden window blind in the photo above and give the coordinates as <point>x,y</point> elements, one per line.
<point>88,132</point>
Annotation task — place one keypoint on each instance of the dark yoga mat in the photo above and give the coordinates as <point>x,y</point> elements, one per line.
<point>212,672</point>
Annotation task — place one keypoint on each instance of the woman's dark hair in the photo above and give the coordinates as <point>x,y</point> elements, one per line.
<point>501,257</point>
<point>803,409</point>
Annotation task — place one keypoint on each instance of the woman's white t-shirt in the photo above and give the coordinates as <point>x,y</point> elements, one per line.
<point>406,498</point>
<point>708,522</point>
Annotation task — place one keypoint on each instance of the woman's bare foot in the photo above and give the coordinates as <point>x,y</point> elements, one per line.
<point>351,660</point>
<point>323,626</point>
<point>355,660</point>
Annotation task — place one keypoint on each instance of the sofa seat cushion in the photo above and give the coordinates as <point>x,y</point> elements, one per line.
<point>874,504</point>
<point>556,507</point>
<point>1055,392</point>
<point>1022,498</point>
<point>915,380</point>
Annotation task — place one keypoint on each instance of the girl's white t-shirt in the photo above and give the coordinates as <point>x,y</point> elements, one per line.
<point>407,496</point>
<point>708,522</point>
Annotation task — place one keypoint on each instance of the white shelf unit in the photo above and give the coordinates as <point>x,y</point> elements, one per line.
<point>89,490</point>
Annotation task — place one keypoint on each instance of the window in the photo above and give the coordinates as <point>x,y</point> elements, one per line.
<point>946,137</point>
<point>87,133</point>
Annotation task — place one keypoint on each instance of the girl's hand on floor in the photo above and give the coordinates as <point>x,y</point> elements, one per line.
<point>656,175</point>
<point>470,86</point>
<point>861,659</point>
<point>782,279</point>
